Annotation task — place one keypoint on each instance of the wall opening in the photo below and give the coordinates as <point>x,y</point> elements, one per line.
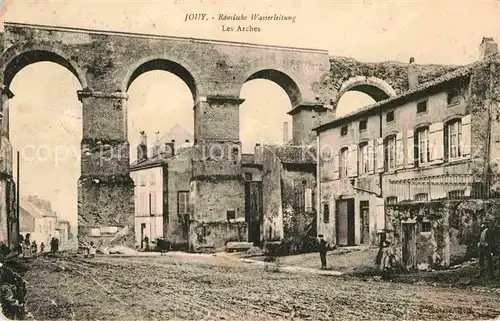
<point>160,104</point>
<point>263,114</point>
<point>45,119</point>
<point>352,101</point>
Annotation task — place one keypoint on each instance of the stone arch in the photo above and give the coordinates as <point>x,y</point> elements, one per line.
<point>374,87</point>
<point>180,69</point>
<point>16,58</point>
<point>286,81</point>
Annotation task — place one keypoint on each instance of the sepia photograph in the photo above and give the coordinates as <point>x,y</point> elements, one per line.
<point>251,160</point>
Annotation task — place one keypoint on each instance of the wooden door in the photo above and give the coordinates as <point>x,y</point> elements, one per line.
<point>409,249</point>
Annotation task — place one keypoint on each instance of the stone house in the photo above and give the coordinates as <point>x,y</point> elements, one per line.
<point>161,191</point>
<point>406,167</point>
<point>38,220</point>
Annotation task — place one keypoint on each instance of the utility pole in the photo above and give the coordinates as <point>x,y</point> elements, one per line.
<point>18,203</point>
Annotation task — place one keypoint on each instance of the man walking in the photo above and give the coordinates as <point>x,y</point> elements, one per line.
<point>485,247</point>
<point>323,248</point>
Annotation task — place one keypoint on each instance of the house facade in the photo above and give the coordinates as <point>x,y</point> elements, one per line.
<point>401,168</point>
<point>37,219</point>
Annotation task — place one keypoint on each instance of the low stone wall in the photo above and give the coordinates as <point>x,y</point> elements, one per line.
<point>216,234</point>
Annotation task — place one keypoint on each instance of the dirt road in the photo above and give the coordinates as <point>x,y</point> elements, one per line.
<point>179,287</point>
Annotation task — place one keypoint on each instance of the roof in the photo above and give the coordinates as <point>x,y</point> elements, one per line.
<point>293,154</point>
<point>460,72</point>
<point>158,160</point>
<point>177,133</point>
<point>31,209</point>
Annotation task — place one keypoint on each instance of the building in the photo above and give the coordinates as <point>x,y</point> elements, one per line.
<point>276,185</point>
<point>64,230</point>
<point>162,189</point>
<point>414,166</point>
<point>37,219</point>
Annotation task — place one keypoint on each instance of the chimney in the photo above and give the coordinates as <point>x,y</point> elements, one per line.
<point>487,48</point>
<point>285,133</point>
<point>156,147</point>
<point>412,75</point>
<point>142,148</point>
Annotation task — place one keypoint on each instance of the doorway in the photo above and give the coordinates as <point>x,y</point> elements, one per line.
<point>253,210</point>
<point>345,219</point>
<point>143,227</point>
<point>364,210</point>
<point>409,245</point>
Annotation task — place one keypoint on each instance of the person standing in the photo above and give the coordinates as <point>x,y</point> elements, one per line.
<point>323,248</point>
<point>485,247</point>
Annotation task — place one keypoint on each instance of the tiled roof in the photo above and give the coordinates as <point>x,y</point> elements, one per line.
<point>423,87</point>
<point>31,208</point>
<point>247,159</point>
<point>158,160</point>
<point>294,154</point>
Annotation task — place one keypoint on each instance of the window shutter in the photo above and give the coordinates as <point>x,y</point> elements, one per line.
<point>410,149</point>
<point>466,136</point>
<point>380,155</point>
<point>399,151</point>
<point>308,199</point>
<point>371,156</point>
<point>380,211</point>
<point>446,144</point>
<point>352,167</point>
<point>436,142</point>
<point>336,165</point>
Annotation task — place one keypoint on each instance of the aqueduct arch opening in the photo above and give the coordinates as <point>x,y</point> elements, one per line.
<point>214,71</point>
<point>359,91</point>
<point>266,109</point>
<point>15,60</point>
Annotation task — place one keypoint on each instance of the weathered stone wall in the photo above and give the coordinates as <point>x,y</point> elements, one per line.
<point>215,235</point>
<point>179,174</point>
<point>272,202</point>
<point>293,181</point>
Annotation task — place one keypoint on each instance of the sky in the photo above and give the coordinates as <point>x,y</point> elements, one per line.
<point>46,114</point>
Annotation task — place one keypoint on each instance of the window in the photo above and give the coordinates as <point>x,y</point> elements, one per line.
<point>421,197</point>
<point>389,116</point>
<point>143,204</point>
<point>248,176</point>
<point>391,200</point>
<point>422,143</point>
<point>459,193</point>
<point>299,197</point>
<point>143,180</point>
<point>453,138</point>
<point>343,130</point>
<point>231,214</point>
<point>152,200</point>
<point>326,213</point>
<point>422,107</point>
<point>426,226</point>
<point>308,204</point>
<point>182,202</point>
<point>362,124</point>
<point>453,97</point>
<point>363,158</point>
<point>390,153</point>
<point>343,162</point>
<point>152,179</point>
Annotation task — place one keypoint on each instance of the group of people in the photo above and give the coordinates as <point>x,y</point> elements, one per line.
<point>27,248</point>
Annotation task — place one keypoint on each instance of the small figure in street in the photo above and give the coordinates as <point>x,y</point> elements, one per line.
<point>42,247</point>
<point>57,244</point>
<point>92,250</point>
<point>485,247</point>
<point>387,263</point>
<point>27,246</point>
<point>53,245</point>
<point>34,248</point>
<point>146,240</point>
<point>12,294</point>
<point>323,248</point>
